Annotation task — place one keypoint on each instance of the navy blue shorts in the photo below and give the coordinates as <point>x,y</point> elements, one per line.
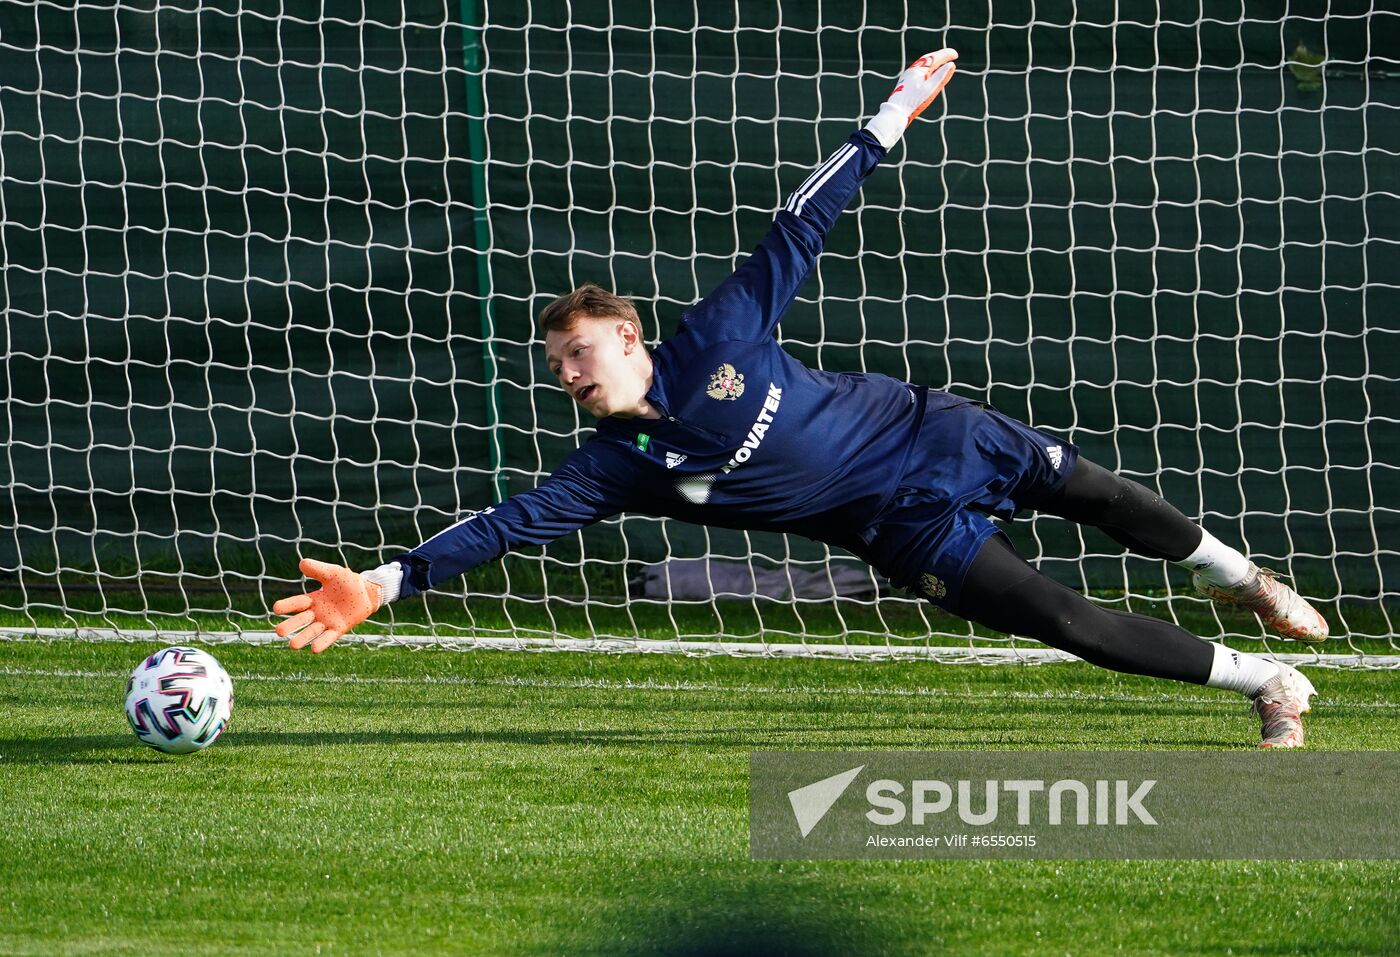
<point>968,462</point>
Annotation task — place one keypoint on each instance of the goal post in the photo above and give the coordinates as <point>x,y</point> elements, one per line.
<point>270,282</point>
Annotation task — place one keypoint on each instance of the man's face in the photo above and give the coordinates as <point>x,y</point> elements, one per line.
<point>594,362</point>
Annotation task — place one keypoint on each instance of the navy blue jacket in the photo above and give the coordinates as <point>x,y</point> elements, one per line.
<point>750,438</point>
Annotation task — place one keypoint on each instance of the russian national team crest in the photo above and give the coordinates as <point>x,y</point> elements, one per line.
<point>933,587</point>
<point>726,383</point>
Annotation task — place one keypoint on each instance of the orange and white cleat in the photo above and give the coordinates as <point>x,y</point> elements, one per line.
<point>1277,605</point>
<point>1281,705</point>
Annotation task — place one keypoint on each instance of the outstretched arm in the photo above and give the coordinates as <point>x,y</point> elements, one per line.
<point>579,493</point>
<point>576,495</point>
<point>750,302</point>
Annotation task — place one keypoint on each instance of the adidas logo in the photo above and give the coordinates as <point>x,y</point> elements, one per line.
<point>1057,455</point>
<point>672,460</point>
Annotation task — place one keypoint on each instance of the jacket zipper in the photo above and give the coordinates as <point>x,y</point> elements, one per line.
<point>700,429</point>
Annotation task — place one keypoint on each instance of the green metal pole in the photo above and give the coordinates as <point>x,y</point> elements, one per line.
<point>473,60</point>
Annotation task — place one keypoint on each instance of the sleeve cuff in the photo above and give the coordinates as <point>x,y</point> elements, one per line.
<point>889,124</point>
<point>389,578</point>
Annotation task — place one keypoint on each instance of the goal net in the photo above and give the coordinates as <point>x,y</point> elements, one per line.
<point>269,273</point>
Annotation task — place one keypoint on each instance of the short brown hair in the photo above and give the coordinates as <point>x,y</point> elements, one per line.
<point>587,300</point>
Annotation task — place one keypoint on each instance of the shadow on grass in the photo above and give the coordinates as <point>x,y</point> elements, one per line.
<point>123,749</point>
<point>755,912</point>
<point>119,749</point>
<point>77,749</point>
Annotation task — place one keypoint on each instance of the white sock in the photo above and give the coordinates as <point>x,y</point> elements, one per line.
<point>1217,562</point>
<point>1239,670</point>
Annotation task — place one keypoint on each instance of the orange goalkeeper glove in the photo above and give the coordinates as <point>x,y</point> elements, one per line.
<point>918,86</point>
<point>344,599</point>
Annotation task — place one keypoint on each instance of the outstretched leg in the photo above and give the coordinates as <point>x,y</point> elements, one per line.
<point>1143,522</point>
<point>1002,591</point>
<point>1130,514</point>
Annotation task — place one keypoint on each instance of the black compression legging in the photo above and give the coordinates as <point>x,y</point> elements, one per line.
<point>1131,514</point>
<point>1002,591</point>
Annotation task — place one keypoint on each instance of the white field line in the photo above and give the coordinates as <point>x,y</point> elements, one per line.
<point>948,654</point>
<point>601,684</point>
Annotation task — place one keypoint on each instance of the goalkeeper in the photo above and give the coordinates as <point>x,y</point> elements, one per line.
<point>719,426</point>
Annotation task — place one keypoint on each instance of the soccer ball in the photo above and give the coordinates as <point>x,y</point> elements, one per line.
<point>179,700</point>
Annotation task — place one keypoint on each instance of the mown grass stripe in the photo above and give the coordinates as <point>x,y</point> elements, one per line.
<point>600,684</point>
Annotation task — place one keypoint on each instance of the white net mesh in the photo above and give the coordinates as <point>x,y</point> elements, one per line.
<point>269,281</point>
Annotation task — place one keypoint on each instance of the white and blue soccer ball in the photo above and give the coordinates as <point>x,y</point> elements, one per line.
<point>179,700</point>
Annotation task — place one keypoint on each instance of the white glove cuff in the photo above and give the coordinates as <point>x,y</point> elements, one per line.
<point>389,578</point>
<point>889,124</point>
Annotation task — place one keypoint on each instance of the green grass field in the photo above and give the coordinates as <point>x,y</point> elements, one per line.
<point>423,802</point>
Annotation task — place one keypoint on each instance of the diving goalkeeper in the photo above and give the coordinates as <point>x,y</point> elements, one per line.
<point>719,426</point>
